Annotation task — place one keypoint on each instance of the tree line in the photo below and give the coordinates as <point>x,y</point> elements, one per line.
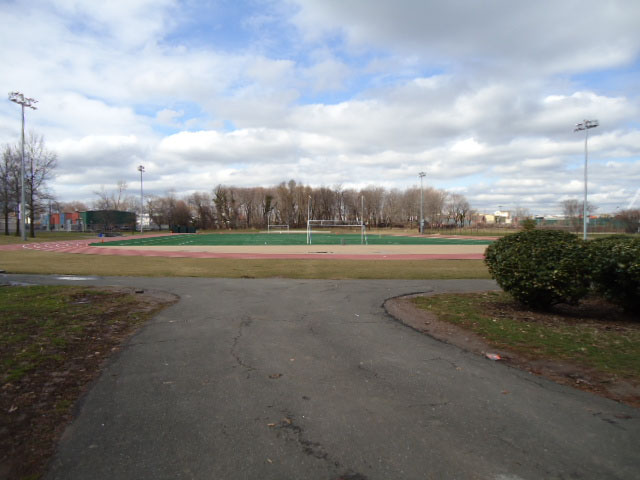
<point>573,211</point>
<point>292,203</point>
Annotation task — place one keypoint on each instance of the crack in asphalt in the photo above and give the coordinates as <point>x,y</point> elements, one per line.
<point>294,432</point>
<point>367,370</point>
<point>445,360</point>
<point>236,340</point>
<point>291,431</point>
<point>430,405</point>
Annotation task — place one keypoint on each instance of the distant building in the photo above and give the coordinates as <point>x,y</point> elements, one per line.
<point>92,221</point>
<point>496,218</point>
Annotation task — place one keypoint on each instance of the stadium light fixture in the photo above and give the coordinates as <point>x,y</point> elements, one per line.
<point>141,170</point>
<point>23,101</point>
<point>421,175</point>
<point>586,125</point>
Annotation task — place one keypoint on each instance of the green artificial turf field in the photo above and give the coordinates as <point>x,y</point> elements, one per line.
<point>288,239</point>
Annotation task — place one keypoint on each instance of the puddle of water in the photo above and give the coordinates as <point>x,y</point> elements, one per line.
<point>75,278</point>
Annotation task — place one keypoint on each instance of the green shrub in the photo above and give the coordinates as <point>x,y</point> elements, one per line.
<point>540,267</point>
<point>615,269</point>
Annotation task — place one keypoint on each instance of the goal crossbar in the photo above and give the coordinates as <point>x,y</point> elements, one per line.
<point>277,228</point>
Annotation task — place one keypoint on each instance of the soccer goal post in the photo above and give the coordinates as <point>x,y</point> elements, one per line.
<point>277,228</point>
<point>323,224</point>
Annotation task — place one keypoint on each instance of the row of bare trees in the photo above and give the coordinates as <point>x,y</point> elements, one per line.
<point>290,203</point>
<point>573,211</point>
<point>40,164</point>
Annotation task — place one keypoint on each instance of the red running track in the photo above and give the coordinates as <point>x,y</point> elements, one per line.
<point>82,247</point>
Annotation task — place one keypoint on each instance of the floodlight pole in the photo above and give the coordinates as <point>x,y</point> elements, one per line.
<point>20,99</point>
<point>141,170</point>
<point>309,221</point>
<point>362,227</point>
<point>421,175</point>
<point>586,125</point>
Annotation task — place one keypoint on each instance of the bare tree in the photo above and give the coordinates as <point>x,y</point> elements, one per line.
<point>267,206</point>
<point>373,204</point>
<point>158,210</point>
<point>39,166</point>
<point>630,218</point>
<point>224,200</point>
<point>203,208</point>
<point>73,206</point>
<point>116,199</point>
<point>301,194</point>
<point>182,213</point>
<point>434,205</point>
<point>393,208</point>
<point>286,202</point>
<point>10,186</point>
<point>411,206</point>
<point>521,214</point>
<point>325,202</point>
<point>573,211</point>
<point>352,206</point>
<point>457,208</point>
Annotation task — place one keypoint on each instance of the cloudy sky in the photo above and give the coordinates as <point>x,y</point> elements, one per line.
<point>483,96</point>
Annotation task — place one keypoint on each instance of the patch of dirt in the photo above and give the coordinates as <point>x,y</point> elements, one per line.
<point>595,312</point>
<point>35,410</point>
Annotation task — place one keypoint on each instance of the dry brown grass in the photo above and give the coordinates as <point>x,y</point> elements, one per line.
<point>36,262</point>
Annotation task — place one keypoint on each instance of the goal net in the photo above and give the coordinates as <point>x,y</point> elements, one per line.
<point>324,225</point>
<point>277,228</point>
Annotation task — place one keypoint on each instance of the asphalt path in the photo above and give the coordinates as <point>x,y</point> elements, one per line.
<point>312,379</point>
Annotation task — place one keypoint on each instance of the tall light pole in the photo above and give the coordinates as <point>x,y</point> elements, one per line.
<point>362,226</point>
<point>20,99</point>
<point>141,169</point>
<point>586,125</point>
<point>421,175</point>
<point>309,221</point>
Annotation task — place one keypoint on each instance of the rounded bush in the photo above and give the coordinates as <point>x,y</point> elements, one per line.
<point>540,268</point>
<point>615,270</point>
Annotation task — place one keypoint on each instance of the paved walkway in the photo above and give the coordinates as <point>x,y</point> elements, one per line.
<point>311,379</point>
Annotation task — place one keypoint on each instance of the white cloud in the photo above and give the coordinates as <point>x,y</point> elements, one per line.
<point>167,116</point>
<point>483,97</point>
<point>543,36</point>
<point>468,146</point>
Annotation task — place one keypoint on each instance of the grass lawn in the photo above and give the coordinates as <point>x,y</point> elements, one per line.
<point>36,262</point>
<point>53,341</point>
<point>594,335</point>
